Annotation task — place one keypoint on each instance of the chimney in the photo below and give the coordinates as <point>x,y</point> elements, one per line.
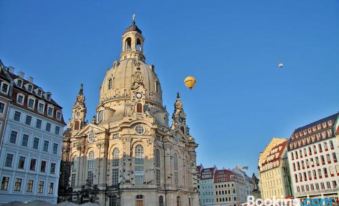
<point>11,69</point>
<point>30,79</point>
<point>21,74</point>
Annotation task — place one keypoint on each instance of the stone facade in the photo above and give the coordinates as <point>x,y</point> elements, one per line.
<point>129,154</point>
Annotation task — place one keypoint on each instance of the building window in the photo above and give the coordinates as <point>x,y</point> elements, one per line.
<point>19,83</point>
<point>57,130</point>
<point>73,177</point>
<point>55,148</point>
<point>179,201</point>
<point>43,166</point>
<point>90,177</point>
<point>17,116</point>
<point>4,183</point>
<point>139,129</point>
<point>51,188</point>
<point>20,98</point>
<point>31,103</point>
<point>28,120</point>
<point>115,176</point>
<point>161,201</point>
<point>58,115</point>
<point>21,163</point>
<point>2,107</point>
<point>139,108</point>
<point>41,187</point>
<point>4,87</point>
<point>128,43</point>
<point>115,154</point>
<point>46,144</point>
<point>30,186</point>
<point>90,167</point>
<point>50,111</point>
<point>110,83</point>
<point>36,143</point>
<point>24,142</point>
<point>48,127</point>
<point>38,123</point>
<point>91,160</point>
<point>175,163</point>
<point>12,138</point>
<point>17,185</point>
<point>53,165</point>
<point>157,166</point>
<point>139,200</point>
<point>32,165</point>
<point>41,107</point>
<point>9,160</point>
<point>139,165</point>
<point>29,87</point>
<point>115,165</point>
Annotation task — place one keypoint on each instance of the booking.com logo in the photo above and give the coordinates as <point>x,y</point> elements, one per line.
<point>252,201</point>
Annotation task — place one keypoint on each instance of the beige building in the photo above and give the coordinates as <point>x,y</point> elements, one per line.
<point>129,154</point>
<point>273,170</point>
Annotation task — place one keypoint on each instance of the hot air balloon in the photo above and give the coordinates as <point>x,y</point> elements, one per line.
<point>190,82</point>
<point>280,65</point>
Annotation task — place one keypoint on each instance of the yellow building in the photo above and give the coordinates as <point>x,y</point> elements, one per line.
<point>273,170</point>
<point>129,154</point>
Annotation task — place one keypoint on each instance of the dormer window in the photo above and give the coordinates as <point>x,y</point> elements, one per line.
<point>50,110</point>
<point>58,115</point>
<point>31,103</point>
<point>19,83</point>
<point>20,98</point>
<point>38,92</point>
<point>48,96</point>
<point>4,87</point>
<point>41,107</point>
<point>29,87</point>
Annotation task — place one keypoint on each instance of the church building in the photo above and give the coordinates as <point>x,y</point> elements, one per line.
<point>130,154</point>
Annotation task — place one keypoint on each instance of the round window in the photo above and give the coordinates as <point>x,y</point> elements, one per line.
<point>139,129</point>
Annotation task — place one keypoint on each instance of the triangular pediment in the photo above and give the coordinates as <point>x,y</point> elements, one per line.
<point>90,127</point>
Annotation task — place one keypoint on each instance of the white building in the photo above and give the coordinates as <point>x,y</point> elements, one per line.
<point>313,159</point>
<point>206,187</point>
<point>30,153</point>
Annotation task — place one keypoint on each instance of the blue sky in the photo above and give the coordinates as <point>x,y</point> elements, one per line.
<point>232,47</point>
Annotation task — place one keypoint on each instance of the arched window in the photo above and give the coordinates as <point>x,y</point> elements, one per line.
<point>115,167</point>
<point>161,201</point>
<point>90,167</point>
<point>139,45</point>
<point>110,82</point>
<point>74,164</point>
<point>175,164</point>
<point>115,156</point>
<point>178,200</point>
<point>128,44</point>
<point>157,166</point>
<point>139,108</point>
<point>139,165</point>
<point>139,200</point>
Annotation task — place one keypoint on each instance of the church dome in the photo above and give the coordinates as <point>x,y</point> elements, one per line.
<point>120,80</point>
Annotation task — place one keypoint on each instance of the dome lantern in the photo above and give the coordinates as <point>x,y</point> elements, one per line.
<point>132,42</point>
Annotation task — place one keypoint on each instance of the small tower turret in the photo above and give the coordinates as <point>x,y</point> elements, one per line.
<point>79,111</point>
<point>179,116</point>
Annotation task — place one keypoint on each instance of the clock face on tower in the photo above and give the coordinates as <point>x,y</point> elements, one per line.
<point>138,95</point>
